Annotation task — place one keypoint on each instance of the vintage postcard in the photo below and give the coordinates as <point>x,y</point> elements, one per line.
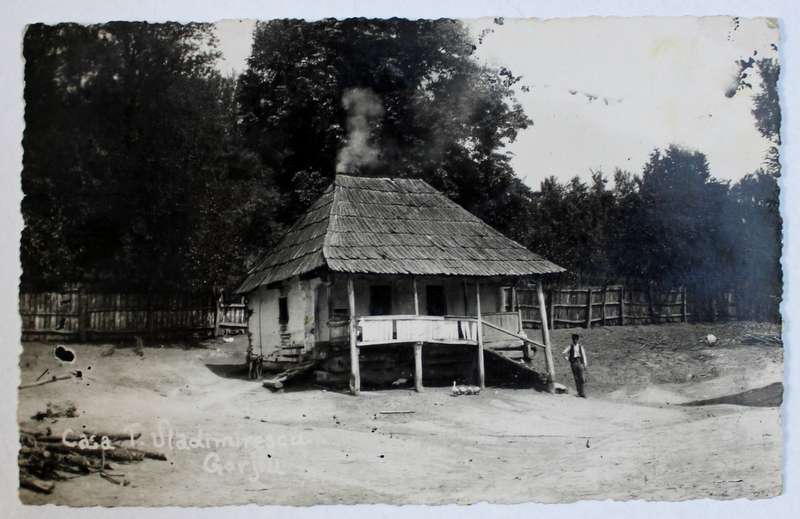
<point>401,261</point>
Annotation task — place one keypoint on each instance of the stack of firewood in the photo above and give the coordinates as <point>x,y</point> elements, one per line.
<point>45,458</point>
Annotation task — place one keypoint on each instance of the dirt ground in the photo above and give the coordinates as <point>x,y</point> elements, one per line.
<point>231,441</point>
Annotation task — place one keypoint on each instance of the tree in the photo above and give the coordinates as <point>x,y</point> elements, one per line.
<point>683,210</point>
<point>393,98</point>
<point>133,172</point>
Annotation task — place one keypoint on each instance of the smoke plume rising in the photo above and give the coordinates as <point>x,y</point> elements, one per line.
<point>364,109</point>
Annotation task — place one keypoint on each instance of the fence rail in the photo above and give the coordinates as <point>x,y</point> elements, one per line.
<point>78,314</point>
<point>585,307</point>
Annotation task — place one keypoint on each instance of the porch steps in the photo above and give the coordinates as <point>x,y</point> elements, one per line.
<point>518,362</point>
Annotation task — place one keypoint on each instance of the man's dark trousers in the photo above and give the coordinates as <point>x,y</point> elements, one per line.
<point>580,376</point>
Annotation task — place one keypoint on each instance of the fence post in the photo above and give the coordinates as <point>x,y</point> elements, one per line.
<point>652,306</point>
<point>683,304</point>
<point>603,316</point>
<point>217,312</point>
<point>622,305</point>
<point>589,309</point>
<point>82,313</point>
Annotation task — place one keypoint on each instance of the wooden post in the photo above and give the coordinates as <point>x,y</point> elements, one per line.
<point>526,347</point>
<point>416,295</point>
<point>603,316</point>
<point>552,309</point>
<point>622,305</point>
<point>466,299</point>
<point>683,304</point>
<point>481,371</point>
<point>551,372</point>
<point>355,369</point>
<point>418,367</point>
<point>589,309</point>
<point>515,297</point>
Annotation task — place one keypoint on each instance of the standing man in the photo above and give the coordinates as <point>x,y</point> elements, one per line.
<point>576,356</point>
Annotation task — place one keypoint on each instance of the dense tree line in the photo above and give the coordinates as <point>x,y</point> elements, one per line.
<point>144,168</point>
<point>672,225</point>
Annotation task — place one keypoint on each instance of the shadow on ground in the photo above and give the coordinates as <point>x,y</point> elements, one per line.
<point>767,396</point>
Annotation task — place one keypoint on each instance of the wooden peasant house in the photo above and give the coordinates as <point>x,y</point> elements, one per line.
<point>379,262</point>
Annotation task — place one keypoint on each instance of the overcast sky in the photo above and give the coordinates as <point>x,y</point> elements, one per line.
<point>604,92</point>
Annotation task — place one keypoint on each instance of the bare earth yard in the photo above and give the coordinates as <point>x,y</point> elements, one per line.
<point>231,441</point>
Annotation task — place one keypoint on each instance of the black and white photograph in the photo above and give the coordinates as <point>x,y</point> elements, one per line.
<point>435,260</point>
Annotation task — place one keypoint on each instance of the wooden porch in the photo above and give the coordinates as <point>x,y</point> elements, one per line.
<point>479,331</point>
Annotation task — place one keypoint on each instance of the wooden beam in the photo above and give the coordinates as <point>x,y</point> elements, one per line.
<point>355,369</point>
<point>418,367</point>
<point>481,368</point>
<point>548,353</point>
<point>515,335</point>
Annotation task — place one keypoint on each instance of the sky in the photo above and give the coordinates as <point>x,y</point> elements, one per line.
<point>603,93</point>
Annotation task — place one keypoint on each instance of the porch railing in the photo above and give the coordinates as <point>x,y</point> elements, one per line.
<point>385,329</point>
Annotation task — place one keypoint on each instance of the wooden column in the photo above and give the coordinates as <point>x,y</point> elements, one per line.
<point>481,371</point>
<point>416,295</point>
<point>589,309</point>
<point>551,372</point>
<point>355,369</point>
<point>417,346</point>
<point>418,367</point>
<point>526,346</point>
<point>515,298</point>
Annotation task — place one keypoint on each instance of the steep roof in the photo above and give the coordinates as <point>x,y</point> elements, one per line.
<point>393,226</point>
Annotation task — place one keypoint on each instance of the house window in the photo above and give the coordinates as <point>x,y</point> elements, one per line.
<point>380,300</point>
<point>283,310</point>
<point>436,301</point>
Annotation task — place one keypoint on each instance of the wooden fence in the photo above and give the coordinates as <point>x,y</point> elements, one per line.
<point>75,314</point>
<point>617,306</point>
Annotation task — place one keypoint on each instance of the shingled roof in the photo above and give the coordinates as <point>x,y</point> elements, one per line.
<point>393,226</point>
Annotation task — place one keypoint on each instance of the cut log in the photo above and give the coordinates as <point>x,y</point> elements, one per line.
<point>276,382</point>
<point>153,455</point>
<point>36,485</point>
<point>116,454</point>
<point>52,438</point>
